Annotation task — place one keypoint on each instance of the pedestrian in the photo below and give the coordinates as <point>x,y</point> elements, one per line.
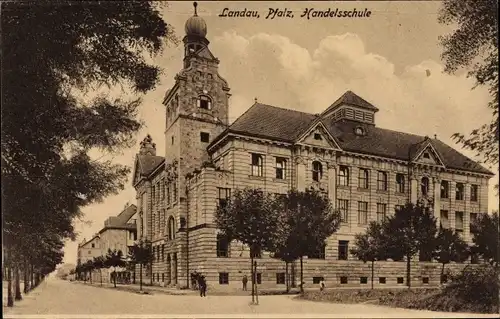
<point>322,285</point>
<point>202,285</point>
<point>244,281</point>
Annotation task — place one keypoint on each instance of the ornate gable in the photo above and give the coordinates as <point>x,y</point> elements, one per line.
<point>428,155</point>
<point>318,136</point>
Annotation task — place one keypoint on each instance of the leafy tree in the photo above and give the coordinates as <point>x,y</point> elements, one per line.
<point>307,219</point>
<point>88,267</point>
<point>114,258</point>
<point>411,229</point>
<point>449,247</point>
<point>485,237</point>
<point>370,245</point>
<point>141,253</point>
<point>99,263</point>
<point>250,218</point>
<point>474,45</point>
<point>48,130</point>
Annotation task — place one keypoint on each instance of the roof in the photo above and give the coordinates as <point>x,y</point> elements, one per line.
<point>275,123</point>
<point>148,163</point>
<point>350,98</point>
<point>121,221</point>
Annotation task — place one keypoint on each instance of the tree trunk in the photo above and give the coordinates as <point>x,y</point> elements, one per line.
<point>256,291</point>
<point>90,276</point>
<point>408,271</point>
<point>18,295</point>
<point>100,275</point>
<point>133,274</point>
<point>140,278</point>
<point>442,274</point>
<point>151,272</point>
<point>301,275</point>
<point>287,280</point>
<point>25,277</point>
<point>10,300</point>
<point>114,278</point>
<point>373,271</point>
<point>32,275</point>
<point>252,275</point>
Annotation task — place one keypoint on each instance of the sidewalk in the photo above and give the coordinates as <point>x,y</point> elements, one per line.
<point>221,290</point>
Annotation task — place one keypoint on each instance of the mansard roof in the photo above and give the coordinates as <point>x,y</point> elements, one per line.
<point>275,123</point>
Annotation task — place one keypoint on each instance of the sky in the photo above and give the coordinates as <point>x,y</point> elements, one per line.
<point>391,59</point>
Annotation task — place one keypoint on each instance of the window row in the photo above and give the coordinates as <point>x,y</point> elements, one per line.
<point>158,254</point>
<point>459,220</point>
<point>459,190</point>
<point>164,190</point>
<point>343,206</point>
<point>159,225</point>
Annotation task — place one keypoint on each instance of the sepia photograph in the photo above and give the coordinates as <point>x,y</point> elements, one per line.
<point>250,159</point>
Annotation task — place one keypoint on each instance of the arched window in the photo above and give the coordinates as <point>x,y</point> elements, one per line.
<point>400,183</point>
<point>425,186</point>
<point>204,102</point>
<point>171,228</point>
<point>317,171</point>
<point>343,176</point>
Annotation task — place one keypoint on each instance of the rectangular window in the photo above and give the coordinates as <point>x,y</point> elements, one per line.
<point>343,176</point>
<point>459,221</point>
<point>223,278</point>
<point>363,280</point>
<point>163,252</point>
<point>163,277</point>
<point>425,280</point>
<point>363,178</point>
<point>473,218</point>
<point>381,280</point>
<point>319,254</point>
<point>343,249</point>
<point>168,195</point>
<point>381,181</point>
<point>280,168</point>
<point>459,191</point>
<point>222,246</point>
<point>358,115</point>
<point>258,276</point>
<point>401,280</point>
<point>204,137</point>
<point>280,278</point>
<point>223,196</point>
<point>257,165</point>
<point>174,191</point>
<point>317,279</point>
<point>93,245</point>
<point>445,189</point>
<point>343,206</point>
<point>445,223</point>
<point>343,280</point>
<point>362,213</point>
<point>474,190</point>
<point>400,183</point>
<point>381,212</point>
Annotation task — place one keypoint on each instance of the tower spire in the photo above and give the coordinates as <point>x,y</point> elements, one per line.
<point>195,4</point>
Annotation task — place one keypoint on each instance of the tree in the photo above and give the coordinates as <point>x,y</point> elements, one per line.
<point>485,237</point>
<point>370,246</point>
<point>411,229</point>
<point>88,267</point>
<point>474,45</point>
<point>250,218</point>
<point>307,219</point>
<point>142,254</point>
<point>449,247</point>
<point>114,258</point>
<point>47,173</point>
<point>99,263</point>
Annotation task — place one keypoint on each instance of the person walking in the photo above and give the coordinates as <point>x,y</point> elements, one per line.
<point>244,281</point>
<point>202,284</point>
<point>322,285</point>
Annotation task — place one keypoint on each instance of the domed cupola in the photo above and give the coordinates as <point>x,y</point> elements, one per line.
<point>195,40</point>
<point>196,26</point>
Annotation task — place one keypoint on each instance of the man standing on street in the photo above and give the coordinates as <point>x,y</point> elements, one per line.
<point>202,284</point>
<point>244,281</point>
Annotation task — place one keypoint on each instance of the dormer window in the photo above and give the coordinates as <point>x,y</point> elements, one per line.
<point>426,155</point>
<point>317,136</point>
<point>204,102</point>
<point>359,131</point>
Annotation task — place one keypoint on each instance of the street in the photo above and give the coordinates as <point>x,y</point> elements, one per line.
<point>56,298</point>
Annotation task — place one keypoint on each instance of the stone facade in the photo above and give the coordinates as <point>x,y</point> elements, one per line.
<point>206,159</point>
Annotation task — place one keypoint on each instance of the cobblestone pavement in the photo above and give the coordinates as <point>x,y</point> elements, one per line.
<point>57,299</point>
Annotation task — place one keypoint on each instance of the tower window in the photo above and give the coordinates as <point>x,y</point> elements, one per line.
<point>173,140</point>
<point>204,137</point>
<point>204,102</point>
